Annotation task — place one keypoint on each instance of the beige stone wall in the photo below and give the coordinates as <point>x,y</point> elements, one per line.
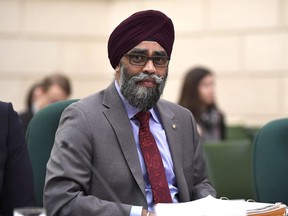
<point>245,42</point>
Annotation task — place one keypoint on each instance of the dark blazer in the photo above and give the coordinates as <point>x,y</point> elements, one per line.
<point>16,179</point>
<point>25,118</point>
<point>97,130</point>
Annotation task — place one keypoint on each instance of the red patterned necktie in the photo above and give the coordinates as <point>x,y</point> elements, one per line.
<point>153,161</point>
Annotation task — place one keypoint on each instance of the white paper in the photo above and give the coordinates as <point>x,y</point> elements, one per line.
<point>208,206</point>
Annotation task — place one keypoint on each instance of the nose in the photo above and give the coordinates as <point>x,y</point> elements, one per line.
<point>149,67</point>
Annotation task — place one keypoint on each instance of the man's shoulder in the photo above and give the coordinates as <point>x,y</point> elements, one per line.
<point>172,106</point>
<point>4,107</point>
<point>179,112</point>
<point>92,100</point>
<point>99,99</point>
<point>4,119</point>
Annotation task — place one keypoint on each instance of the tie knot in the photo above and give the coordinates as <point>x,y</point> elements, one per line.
<point>143,117</point>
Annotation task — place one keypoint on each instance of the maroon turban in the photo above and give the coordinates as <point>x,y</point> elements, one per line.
<point>149,25</point>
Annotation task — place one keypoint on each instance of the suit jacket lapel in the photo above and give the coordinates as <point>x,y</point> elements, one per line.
<point>172,128</point>
<point>118,118</point>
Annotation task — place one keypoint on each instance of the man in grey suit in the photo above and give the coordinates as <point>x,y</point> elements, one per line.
<point>102,130</point>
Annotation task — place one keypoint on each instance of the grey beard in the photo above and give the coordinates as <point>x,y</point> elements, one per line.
<point>138,96</point>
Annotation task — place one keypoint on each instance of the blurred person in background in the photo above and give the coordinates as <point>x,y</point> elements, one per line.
<point>198,95</point>
<point>34,93</point>
<point>53,88</point>
<point>16,178</point>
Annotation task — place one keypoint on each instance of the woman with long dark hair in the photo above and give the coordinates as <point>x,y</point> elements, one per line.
<point>198,95</point>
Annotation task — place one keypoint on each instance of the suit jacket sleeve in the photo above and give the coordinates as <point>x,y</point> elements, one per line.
<point>69,184</point>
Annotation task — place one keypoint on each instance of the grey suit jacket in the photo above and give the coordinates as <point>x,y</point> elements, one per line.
<point>97,129</point>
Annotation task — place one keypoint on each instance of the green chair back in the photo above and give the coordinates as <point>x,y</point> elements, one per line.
<point>270,162</point>
<point>229,166</point>
<point>236,132</point>
<point>40,139</point>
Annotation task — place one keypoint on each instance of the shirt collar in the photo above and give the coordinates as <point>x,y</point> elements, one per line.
<point>131,110</point>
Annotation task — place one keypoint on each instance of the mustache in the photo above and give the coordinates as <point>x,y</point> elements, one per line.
<point>143,76</point>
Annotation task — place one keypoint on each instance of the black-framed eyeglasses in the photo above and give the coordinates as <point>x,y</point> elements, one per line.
<point>141,60</point>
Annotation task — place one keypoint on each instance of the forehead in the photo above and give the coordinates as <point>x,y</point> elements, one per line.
<point>55,90</point>
<point>149,47</point>
<point>207,79</point>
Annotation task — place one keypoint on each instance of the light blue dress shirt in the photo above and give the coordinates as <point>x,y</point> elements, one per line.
<point>160,137</point>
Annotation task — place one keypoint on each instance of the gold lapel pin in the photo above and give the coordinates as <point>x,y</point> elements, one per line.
<point>174,126</point>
